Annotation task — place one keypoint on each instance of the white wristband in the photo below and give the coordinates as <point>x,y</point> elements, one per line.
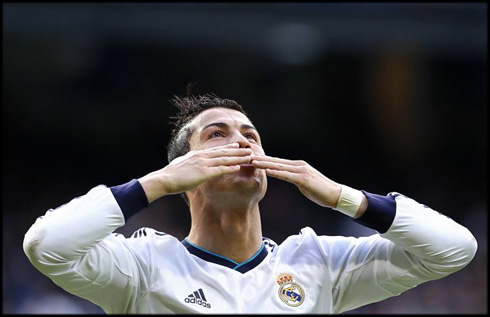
<point>349,201</point>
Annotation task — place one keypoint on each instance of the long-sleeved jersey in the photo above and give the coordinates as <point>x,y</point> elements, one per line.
<point>153,272</point>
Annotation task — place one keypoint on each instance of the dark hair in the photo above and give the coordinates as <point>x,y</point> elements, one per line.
<point>191,106</point>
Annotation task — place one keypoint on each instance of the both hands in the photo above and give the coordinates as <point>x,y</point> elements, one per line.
<point>198,166</point>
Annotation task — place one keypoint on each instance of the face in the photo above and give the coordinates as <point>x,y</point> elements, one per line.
<point>220,126</point>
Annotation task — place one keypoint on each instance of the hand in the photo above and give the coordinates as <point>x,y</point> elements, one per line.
<point>310,182</point>
<point>194,168</point>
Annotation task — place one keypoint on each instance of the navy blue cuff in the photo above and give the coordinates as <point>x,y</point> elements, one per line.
<point>380,212</point>
<point>131,198</point>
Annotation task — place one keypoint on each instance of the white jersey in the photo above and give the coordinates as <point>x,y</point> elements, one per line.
<point>152,272</point>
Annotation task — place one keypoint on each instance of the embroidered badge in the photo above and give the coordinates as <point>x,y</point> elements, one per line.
<point>290,292</point>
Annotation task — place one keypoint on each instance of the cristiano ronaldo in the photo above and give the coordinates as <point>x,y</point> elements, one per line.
<point>225,265</point>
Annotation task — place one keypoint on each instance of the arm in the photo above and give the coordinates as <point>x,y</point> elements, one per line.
<point>375,211</point>
<point>74,244</point>
<point>68,244</point>
<point>416,244</point>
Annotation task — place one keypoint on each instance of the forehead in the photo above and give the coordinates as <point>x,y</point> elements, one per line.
<point>218,114</point>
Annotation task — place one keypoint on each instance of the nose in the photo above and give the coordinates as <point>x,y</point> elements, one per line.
<point>242,141</point>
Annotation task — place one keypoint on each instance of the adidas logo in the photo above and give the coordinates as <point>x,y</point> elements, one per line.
<point>198,298</point>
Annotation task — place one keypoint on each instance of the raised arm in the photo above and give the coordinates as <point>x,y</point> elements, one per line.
<point>75,246</point>
<point>415,243</point>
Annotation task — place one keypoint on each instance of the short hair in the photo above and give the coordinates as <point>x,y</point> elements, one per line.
<point>191,106</point>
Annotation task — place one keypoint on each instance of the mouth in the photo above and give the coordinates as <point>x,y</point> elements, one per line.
<point>247,169</point>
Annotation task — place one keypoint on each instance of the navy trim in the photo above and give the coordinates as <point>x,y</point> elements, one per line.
<point>209,256</point>
<point>131,198</point>
<point>380,212</point>
<point>253,261</point>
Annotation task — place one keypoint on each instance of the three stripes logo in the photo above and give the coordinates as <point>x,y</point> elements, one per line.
<point>197,298</point>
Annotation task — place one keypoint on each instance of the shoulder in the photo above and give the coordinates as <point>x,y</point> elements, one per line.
<point>306,239</point>
<point>304,236</point>
<point>149,243</point>
<point>149,233</point>
<point>149,238</point>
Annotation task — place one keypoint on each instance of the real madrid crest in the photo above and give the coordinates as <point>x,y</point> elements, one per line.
<point>290,292</point>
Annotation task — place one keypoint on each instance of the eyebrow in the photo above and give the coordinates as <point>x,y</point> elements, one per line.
<point>225,125</point>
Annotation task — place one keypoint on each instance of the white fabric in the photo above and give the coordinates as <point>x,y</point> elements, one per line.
<point>75,246</point>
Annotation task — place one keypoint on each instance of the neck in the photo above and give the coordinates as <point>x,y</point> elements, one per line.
<point>231,230</point>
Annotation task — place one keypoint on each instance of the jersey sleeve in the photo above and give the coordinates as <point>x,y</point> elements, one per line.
<point>417,244</point>
<point>74,245</point>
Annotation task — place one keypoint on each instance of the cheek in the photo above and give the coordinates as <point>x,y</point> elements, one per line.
<point>214,142</point>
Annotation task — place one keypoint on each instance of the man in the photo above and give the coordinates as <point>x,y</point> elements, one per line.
<point>225,265</point>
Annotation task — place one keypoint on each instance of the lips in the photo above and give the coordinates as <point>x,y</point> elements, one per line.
<point>247,169</point>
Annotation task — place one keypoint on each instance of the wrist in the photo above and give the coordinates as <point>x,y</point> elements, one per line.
<point>153,186</point>
<point>130,197</point>
<point>351,202</point>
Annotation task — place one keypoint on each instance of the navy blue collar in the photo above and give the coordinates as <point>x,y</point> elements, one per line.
<point>209,256</point>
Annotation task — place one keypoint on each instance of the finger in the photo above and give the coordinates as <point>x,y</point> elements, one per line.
<point>227,150</point>
<point>283,175</point>
<point>224,169</point>
<point>234,145</point>
<point>267,158</point>
<point>276,166</point>
<point>228,160</point>
<point>230,152</point>
<point>229,145</point>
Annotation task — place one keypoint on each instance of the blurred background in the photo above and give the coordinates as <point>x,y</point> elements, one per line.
<point>381,97</point>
